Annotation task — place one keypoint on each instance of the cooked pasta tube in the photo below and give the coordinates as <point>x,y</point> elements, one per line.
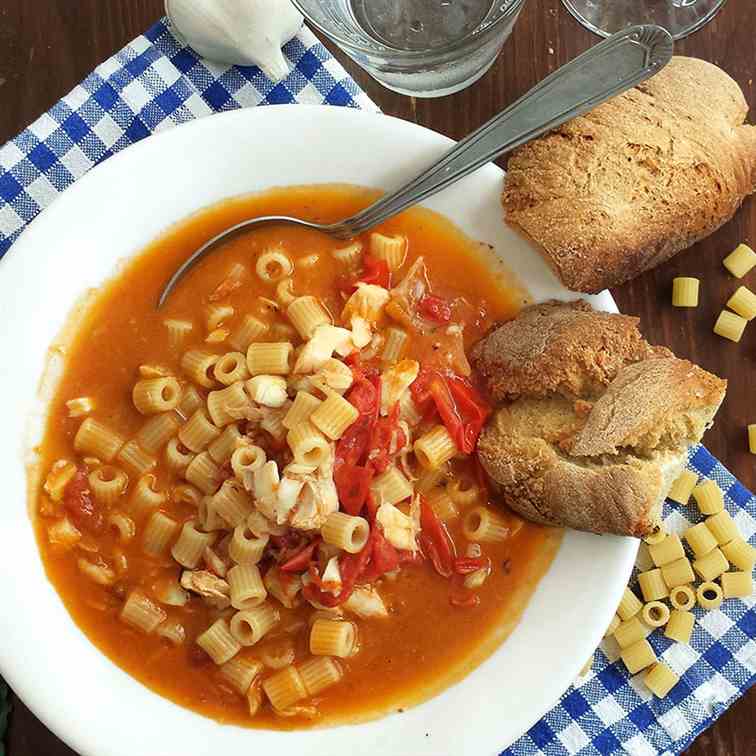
<point>463,493</point>
<point>123,526</point>
<point>232,503</point>
<point>199,366</point>
<point>249,626</point>
<point>273,265</point>
<point>270,358</point>
<point>240,673</point>
<point>391,486</point>
<point>153,395</point>
<point>333,416</point>
<point>97,440</point>
<point>345,531</point>
<point>482,524</point>
<point>246,585</point>
<point>429,478</point>
<point>333,638</point>
<point>680,625</point>
<point>308,445</point>
<point>178,332</point>
<point>245,547</point>
<point>230,368</point>
<point>743,302</point>
<point>392,249</point>
<point>722,527</point>
<point>394,346</point>
<point>141,612</point>
<point>306,314</point>
<point>145,496</point>
<point>630,631</point>
<point>225,445</point>
<point>203,473</point>
<point>442,504</point>
<point>228,404</point>
<point>157,431</point>
<point>158,533</point>
<point>218,642</point>
<point>246,459</point>
<point>198,432</point>
<point>177,456</point>
<point>709,498</point>
<point>350,255</point>
<point>284,688</point>
<point>107,484</point>
<point>319,673</point>
<point>250,329</point>
<point>135,459</point>
<point>301,409</point>
<point>435,447</point>
<point>191,401</point>
<point>82,405</point>
<point>191,545</point>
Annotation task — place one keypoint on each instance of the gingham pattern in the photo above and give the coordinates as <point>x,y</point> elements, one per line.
<point>154,83</point>
<point>608,711</point>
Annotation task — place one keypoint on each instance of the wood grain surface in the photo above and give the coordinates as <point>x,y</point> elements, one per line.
<point>48,46</point>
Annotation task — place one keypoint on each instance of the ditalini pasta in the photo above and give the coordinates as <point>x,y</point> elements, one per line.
<point>743,302</point>
<point>683,487</point>
<point>255,494</point>
<point>730,326</point>
<point>709,498</point>
<point>680,625</point>
<point>629,606</point>
<point>709,596</point>
<point>685,292</point>
<point>740,260</point>
<point>700,539</point>
<point>682,598</point>
<point>737,584</point>
<point>740,554</point>
<point>660,679</point>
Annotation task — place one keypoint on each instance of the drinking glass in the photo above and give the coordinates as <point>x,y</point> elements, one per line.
<point>423,48</point>
<point>678,17</point>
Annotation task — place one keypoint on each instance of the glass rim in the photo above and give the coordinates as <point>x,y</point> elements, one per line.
<point>347,45</point>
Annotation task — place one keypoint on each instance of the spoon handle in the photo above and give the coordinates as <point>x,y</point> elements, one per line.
<point>604,71</point>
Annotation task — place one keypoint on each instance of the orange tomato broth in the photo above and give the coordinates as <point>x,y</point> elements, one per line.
<point>426,643</point>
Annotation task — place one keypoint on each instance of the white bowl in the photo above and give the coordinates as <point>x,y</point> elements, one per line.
<point>109,215</point>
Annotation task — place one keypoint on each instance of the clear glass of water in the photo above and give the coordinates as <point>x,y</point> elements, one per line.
<point>678,17</point>
<point>424,48</point>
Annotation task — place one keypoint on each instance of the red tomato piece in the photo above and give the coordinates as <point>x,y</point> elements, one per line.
<point>435,309</point>
<point>301,560</point>
<point>352,484</point>
<point>78,502</point>
<point>435,540</point>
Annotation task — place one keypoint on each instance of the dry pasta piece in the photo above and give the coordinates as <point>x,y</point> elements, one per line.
<point>682,598</point>
<point>245,547</point>
<point>225,445</point>
<point>153,395</point>
<point>442,504</point>
<point>83,405</point>
<point>333,638</point>
<point>141,612</point>
<point>191,401</point>
<point>711,565</point>
<point>679,572</point>
<point>709,596</point>
<point>177,456</point>
<point>157,431</point>
<point>218,642</point>
<point>178,331</point>
<point>655,614</point>
<point>743,302</point>
<point>203,473</point>
<point>394,346</point>
<point>740,260</point>
<point>685,292</point>
<point>629,605</point>
<point>669,550</point>
<point>158,533</point>
<point>107,484</point>
<point>333,416</point>
<point>270,358</point>
<point>217,314</point>
<point>660,679</point>
<point>284,688</point>
<point>740,553</point>
<point>273,265</point>
<point>737,584</point>
<point>319,673</point>
<point>722,527</point>
<point>613,625</point>
<point>730,326</point>
<point>303,406</point>
<point>250,329</point>
<point>268,390</point>
<point>392,249</point>
<point>198,432</point>
<point>391,486</point>
<point>680,625</point>
<point>652,585</point>
<point>135,459</point>
<point>191,545</point>
<point>349,255</point>
<point>249,626</point>
<point>308,445</point>
<point>97,440</point>
<point>657,535</point>
<point>700,539</point>
<point>240,673</point>
<point>752,438</point>
<point>435,448</point>
<point>709,498</point>
<point>228,404</point>
<point>638,656</point>
<point>246,585</point>
<point>145,496</point>
<point>233,503</point>
<point>345,531</point>
<point>306,314</point>
<point>482,524</point>
<point>630,631</point>
<point>683,487</point>
<point>230,368</point>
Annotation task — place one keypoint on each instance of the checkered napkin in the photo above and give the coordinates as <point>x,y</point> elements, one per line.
<point>156,82</point>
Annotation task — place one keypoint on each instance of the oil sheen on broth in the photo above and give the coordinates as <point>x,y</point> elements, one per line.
<point>426,641</point>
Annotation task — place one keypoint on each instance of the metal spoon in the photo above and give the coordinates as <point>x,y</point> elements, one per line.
<point>606,70</point>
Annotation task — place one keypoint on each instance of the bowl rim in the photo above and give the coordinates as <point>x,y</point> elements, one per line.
<point>89,740</point>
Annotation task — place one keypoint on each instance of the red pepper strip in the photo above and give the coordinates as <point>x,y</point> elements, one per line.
<point>372,508</point>
<point>380,440</point>
<point>420,390</point>
<point>436,543</point>
<point>466,565</point>
<point>434,308</point>
<point>470,404</point>
<point>375,272</point>
<point>300,561</point>
<point>383,557</point>
<point>351,567</point>
<point>77,500</point>
<point>352,485</point>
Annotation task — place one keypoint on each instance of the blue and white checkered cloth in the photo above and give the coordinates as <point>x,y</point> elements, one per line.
<point>156,82</point>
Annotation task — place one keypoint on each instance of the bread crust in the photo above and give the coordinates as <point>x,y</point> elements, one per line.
<point>625,187</point>
<point>596,423</point>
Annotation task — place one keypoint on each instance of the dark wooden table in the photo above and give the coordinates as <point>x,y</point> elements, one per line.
<point>47,46</point>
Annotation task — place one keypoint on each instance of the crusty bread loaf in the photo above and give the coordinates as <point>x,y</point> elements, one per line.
<point>598,422</point>
<point>643,176</point>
